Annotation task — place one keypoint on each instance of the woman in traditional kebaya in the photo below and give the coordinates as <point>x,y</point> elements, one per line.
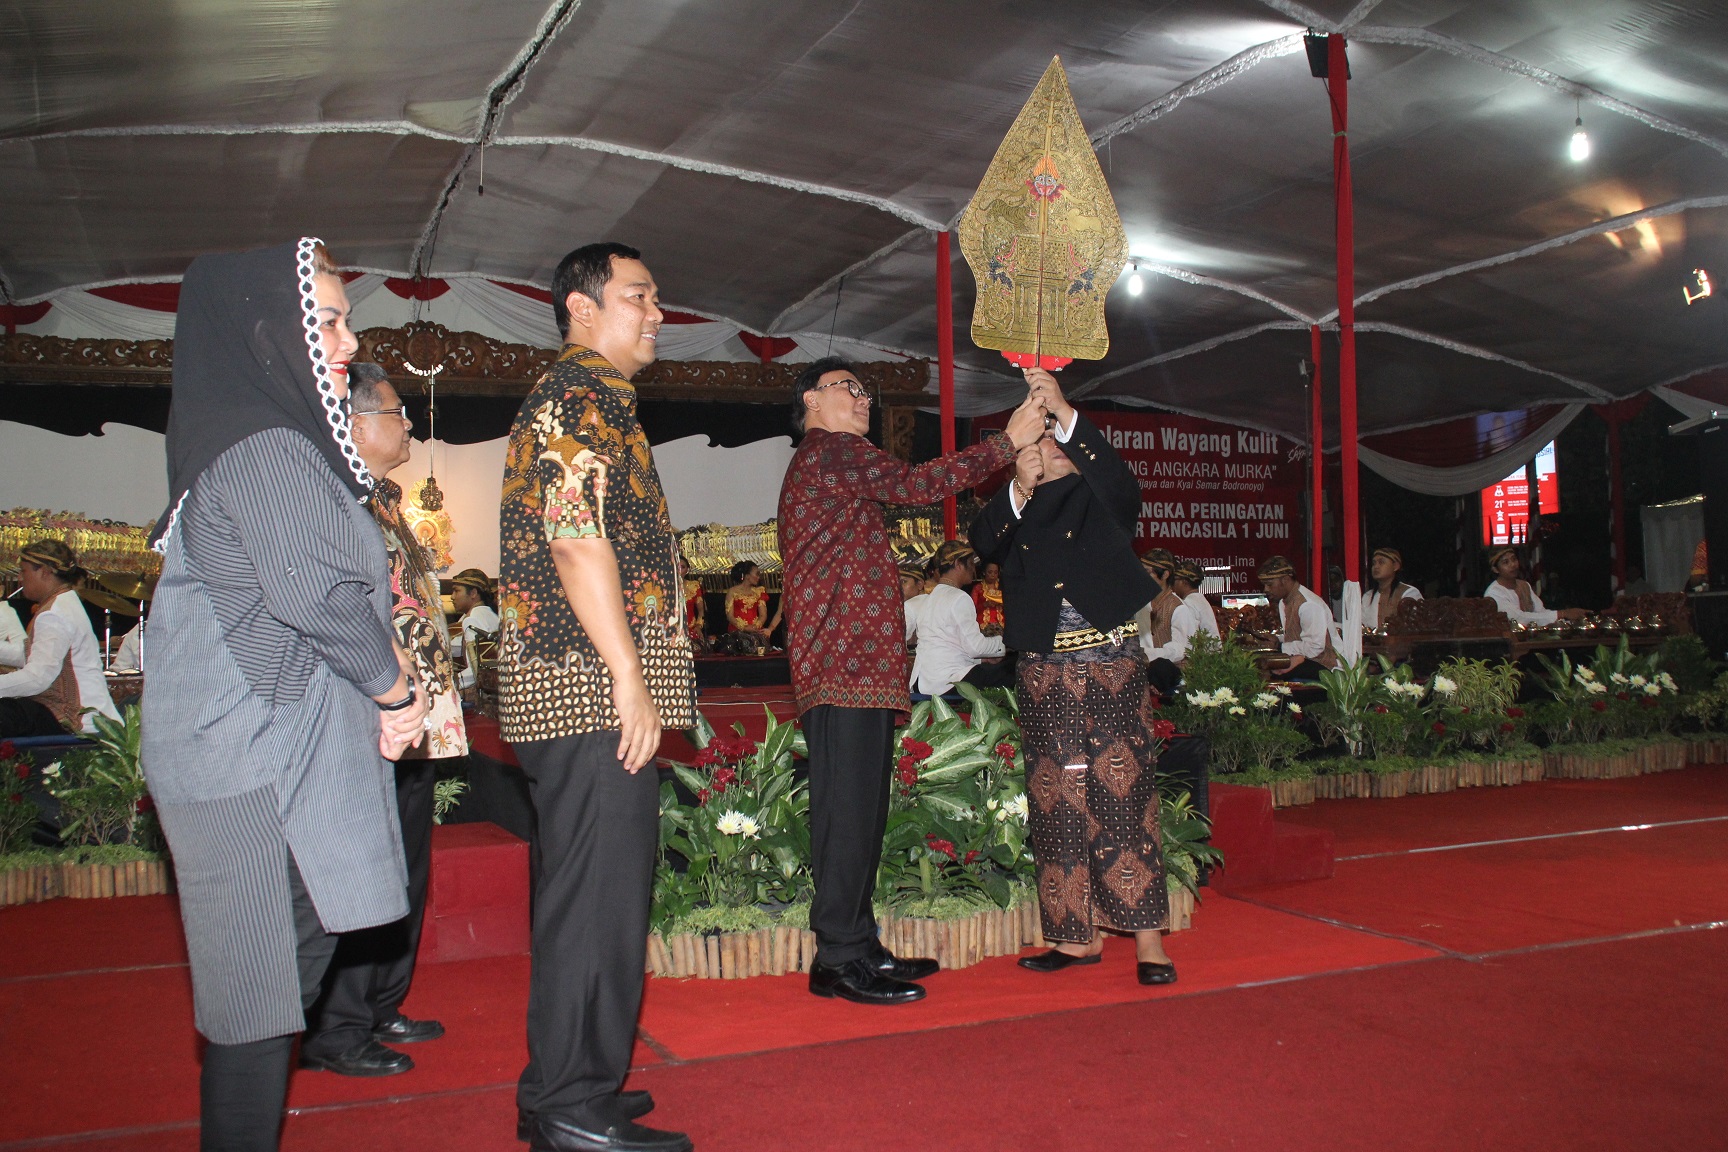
<point>695,614</point>
<point>987,599</point>
<point>747,602</point>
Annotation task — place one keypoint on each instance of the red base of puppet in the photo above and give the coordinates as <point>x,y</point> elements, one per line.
<point>1034,360</point>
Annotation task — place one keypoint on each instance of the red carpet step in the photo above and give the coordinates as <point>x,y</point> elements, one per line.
<point>1259,850</point>
<point>478,903</point>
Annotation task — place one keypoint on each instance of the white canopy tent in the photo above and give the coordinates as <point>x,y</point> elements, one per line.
<point>786,167</point>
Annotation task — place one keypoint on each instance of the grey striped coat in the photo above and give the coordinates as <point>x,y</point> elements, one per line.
<point>269,632</point>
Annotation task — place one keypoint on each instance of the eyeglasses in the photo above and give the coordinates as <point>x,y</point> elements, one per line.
<point>852,386</point>
<point>400,412</point>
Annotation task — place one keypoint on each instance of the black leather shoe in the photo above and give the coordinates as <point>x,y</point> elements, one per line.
<point>368,1059</point>
<point>859,982</point>
<point>588,1133</point>
<point>1055,960</point>
<point>1156,973</point>
<point>405,1031</point>
<point>632,1104</point>
<point>902,967</point>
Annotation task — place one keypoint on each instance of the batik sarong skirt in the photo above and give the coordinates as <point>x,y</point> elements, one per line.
<point>1086,717</point>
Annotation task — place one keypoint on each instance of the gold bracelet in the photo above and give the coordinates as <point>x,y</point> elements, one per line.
<point>1025,496</point>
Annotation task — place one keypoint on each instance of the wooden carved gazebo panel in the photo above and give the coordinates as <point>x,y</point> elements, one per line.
<point>474,365</point>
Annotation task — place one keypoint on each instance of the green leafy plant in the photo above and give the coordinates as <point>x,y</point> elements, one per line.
<point>18,813</point>
<point>446,794</point>
<point>1352,691</point>
<point>101,791</point>
<point>1184,836</point>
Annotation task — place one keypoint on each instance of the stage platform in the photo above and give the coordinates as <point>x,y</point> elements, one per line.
<point>1519,969</point>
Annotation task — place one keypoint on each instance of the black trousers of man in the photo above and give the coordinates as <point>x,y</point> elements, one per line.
<point>985,674</point>
<point>372,969</point>
<point>243,1087</point>
<point>851,762</point>
<point>596,831</point>
<point>1163,675</point>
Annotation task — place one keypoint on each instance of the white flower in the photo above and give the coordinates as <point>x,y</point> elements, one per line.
<point>1295,708</point>
<point>1017,807</point>
<point>1265,700</point>
<point>1238,710</point>
<point>1001,815</point>
<point>1202,700</point>
<point>1667,682</point>
<point>1596,688</point>
<point>1281,689</point>
<point>1640,681</point>
<point>1444,686</point>
<point>1585,674</point>
<point>52,772</point>
<point>1617,678</point>
<point>990,803</point>
<point>1223,695</point>
<point>1652,689</point>
<point>733,823</point>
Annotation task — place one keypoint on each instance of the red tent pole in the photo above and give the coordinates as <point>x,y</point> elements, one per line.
<point>1317,546</point>
<point>1337,85</point>
<point>945,365</point>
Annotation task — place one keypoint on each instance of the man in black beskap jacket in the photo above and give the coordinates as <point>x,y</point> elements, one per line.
<point>1064,532</point>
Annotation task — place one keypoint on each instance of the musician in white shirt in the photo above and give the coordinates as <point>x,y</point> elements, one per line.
<point>1304,620</point>
<point>1193,614</point>
<point>951,647</point>
<point>1516,598</point>
<point>1381,598</point>
<point>61,684</point>
<point>470,589</point>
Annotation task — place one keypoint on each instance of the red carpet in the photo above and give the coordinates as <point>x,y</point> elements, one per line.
<point>1286,1032</point>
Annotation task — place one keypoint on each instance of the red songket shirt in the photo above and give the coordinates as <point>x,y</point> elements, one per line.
<point>845,625</point>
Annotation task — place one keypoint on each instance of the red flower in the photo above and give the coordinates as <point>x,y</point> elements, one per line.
<point>1621,696</point>
<point>144,805</point>
<point>1465,710</point>
<point>8,750</point>
<point>23,771</point>
<point>1515,713</point>
<point>724,777</point>
<point>1006,751</point>
<point>1439,729</point>
<point>707,756</point>
<point>17,799</point>
<point>970,856</point>
<point>1382,709</point>
<point>1599,705</point>
<point>945,847</point>
<point>917,749</point>
<point>1163,729</point>
<point>1157,700</point>
<point>1646,702</point>
<point>702,796</point>
<point>1508,727</point>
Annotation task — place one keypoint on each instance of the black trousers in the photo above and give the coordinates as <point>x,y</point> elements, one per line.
<point>1163,675</point>
<point>851,759</point>
<point>243,1086</point>
<point>1307,670</point>
<point>372,969</point>
<point>20,716</point>
<point>997,675</point>
<point>596,831</point>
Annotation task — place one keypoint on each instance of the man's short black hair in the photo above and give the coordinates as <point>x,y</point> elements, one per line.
<point>364,383</point>
<point>812,376</point>
<point>586,270</point>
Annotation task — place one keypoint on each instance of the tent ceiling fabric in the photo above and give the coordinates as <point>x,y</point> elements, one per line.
<point>759,152</point>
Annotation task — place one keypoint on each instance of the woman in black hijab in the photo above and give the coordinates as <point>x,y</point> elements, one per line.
<point>276,689</point>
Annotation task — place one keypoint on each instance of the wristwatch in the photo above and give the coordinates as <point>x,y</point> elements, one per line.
<point>406,701</point>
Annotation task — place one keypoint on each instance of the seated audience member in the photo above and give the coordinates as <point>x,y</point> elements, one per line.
<point>1516,598</point>
<point>747,602</point>
<point>913,597</point>
<point>951,648</point>
<point>987,598</point>
<point>471,593</point>
<point>695,611</point>
<point>129,658</point>
<point>61,673</point>
<point>1636,584</point>
<point>1381,598</point>
<point>1304,620</point>
<point>1192,616</point>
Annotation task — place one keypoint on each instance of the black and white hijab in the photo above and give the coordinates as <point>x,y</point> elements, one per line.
<point>247,358</point>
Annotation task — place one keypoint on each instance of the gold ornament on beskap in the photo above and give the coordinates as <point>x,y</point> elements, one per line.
<point>1043,237</point>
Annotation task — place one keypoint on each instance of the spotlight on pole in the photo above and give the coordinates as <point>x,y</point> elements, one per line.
<point>1136,284</point>
<point>1704,289</point>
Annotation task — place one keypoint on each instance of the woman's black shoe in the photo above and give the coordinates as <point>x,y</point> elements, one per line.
<point>1156,973</point>
<point>1055,960</point>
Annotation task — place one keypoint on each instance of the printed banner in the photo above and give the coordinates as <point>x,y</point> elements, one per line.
<point>1224,496</point>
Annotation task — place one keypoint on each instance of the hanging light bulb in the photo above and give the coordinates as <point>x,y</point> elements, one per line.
<point>1580,138</point>
<point>1136,285</point>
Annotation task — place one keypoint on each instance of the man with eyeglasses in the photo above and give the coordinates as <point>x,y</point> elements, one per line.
<point>368,979</point>
<point>846,640</point>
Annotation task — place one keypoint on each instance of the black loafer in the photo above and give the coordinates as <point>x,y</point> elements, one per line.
<point>586,1133</point>
<point>369,1059</point>
<point>902,967</point>
<point>1150,973</point>
<point>1055,960</point>
<point>860,983</point>
<point>405,1031</point>
<point>632,1104</point>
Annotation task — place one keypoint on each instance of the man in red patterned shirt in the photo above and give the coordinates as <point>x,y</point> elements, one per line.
<point>846,639</point>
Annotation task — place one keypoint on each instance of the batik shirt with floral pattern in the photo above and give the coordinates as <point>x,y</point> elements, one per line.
<point>579,467</point>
